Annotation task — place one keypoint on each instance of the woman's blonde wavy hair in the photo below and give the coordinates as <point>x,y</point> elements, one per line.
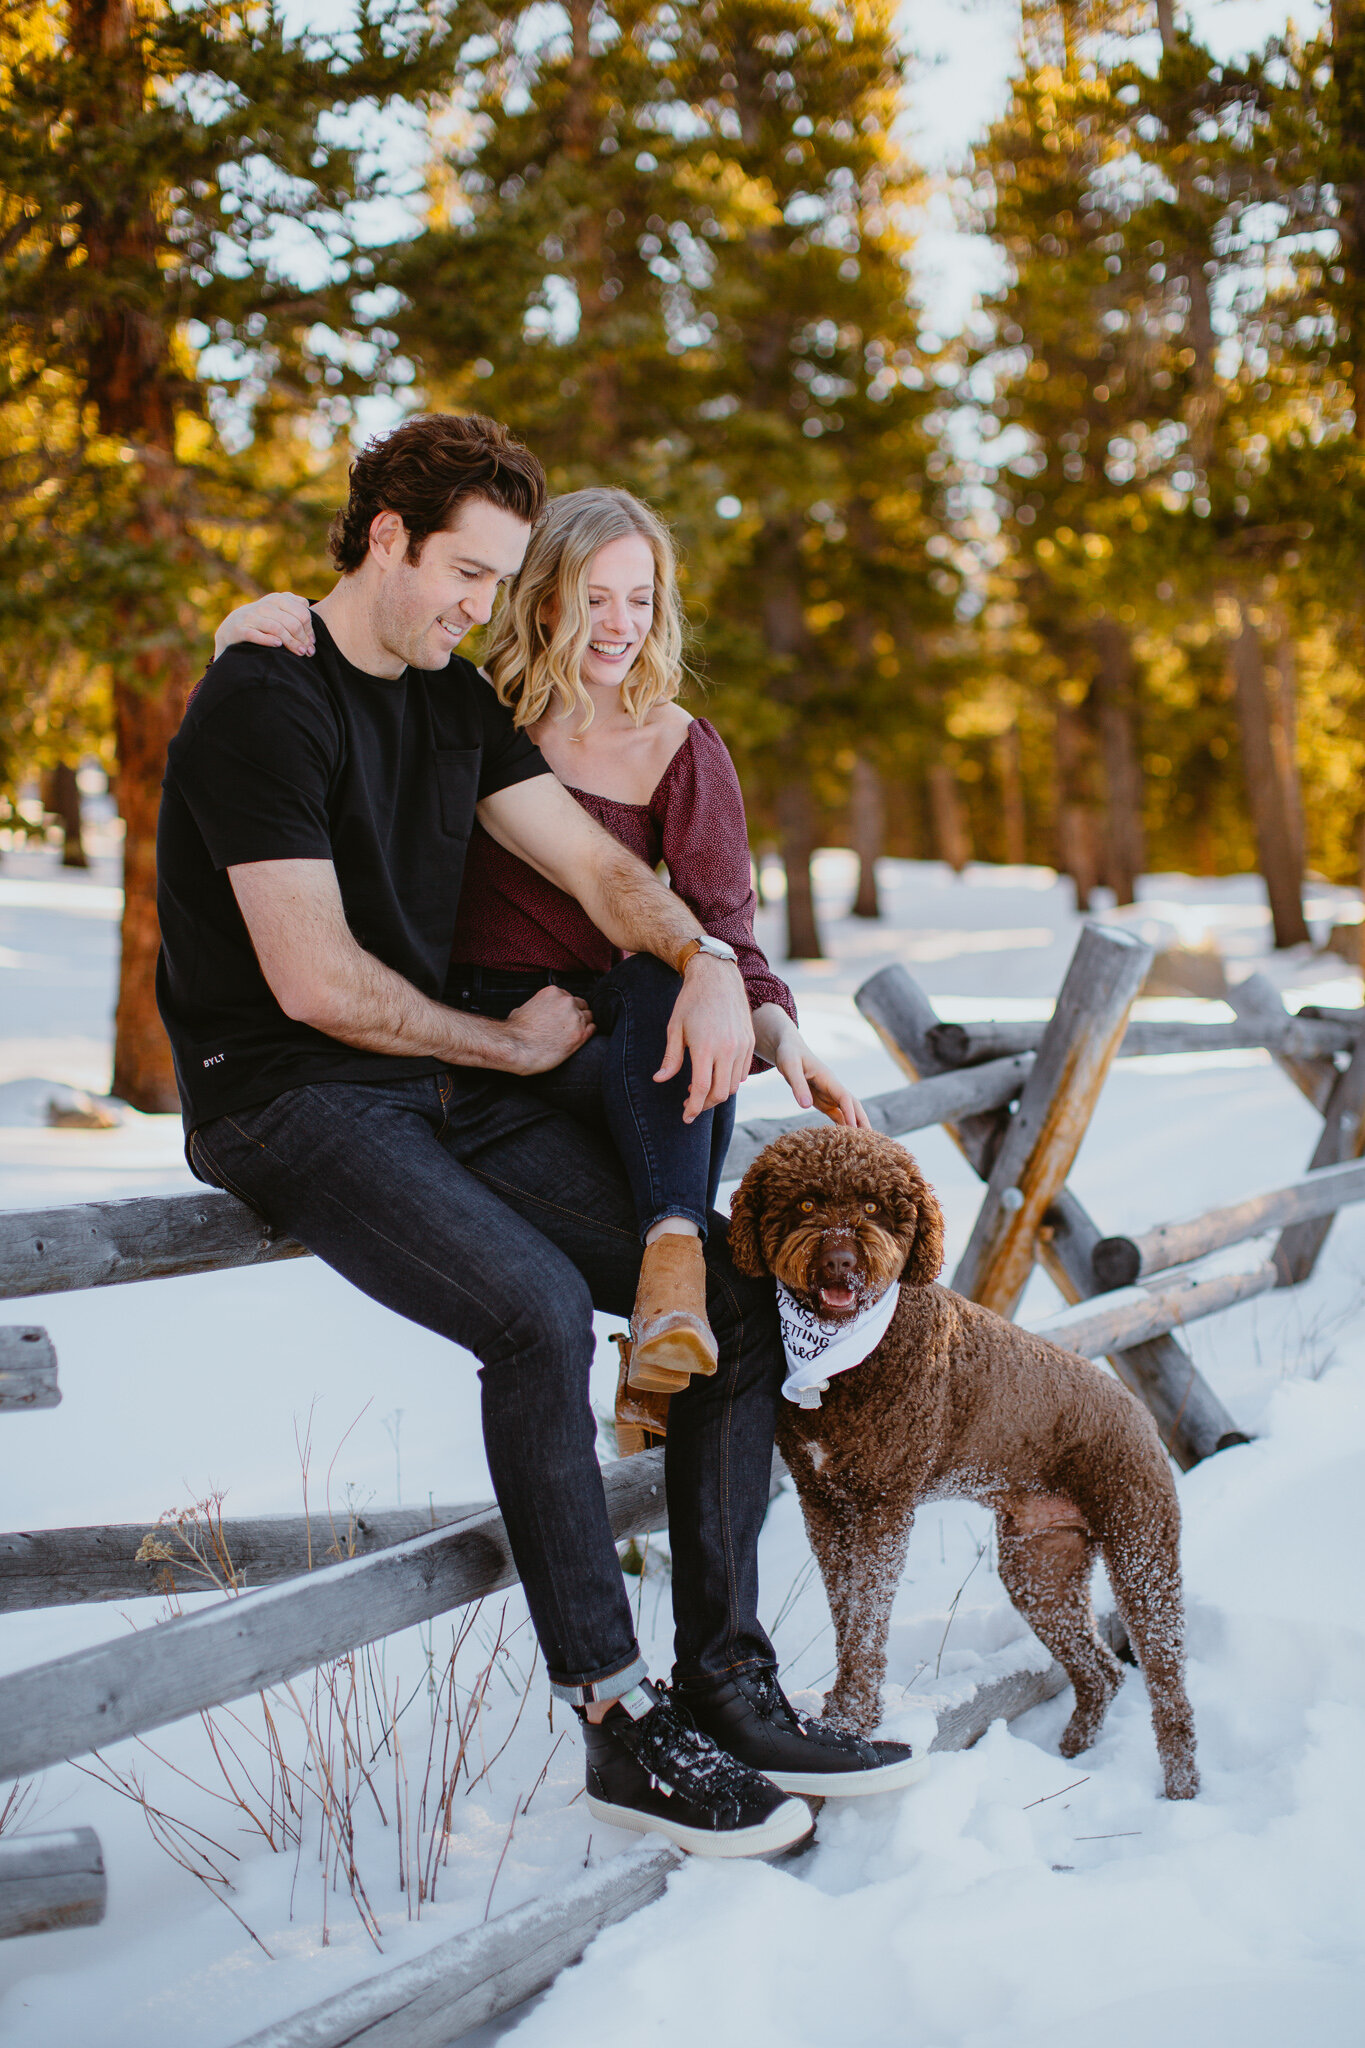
<point>535,664</point>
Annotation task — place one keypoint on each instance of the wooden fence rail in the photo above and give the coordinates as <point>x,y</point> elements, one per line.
<point>1120,1261</point>
<point>159,1237</point>
<point>135,1683</point>
<point>962,1045</point>
<point>139,1560</point>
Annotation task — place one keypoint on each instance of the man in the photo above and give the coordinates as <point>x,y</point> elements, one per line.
<point>313,830</point>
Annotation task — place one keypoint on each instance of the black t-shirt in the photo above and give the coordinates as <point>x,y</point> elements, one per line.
<point>282,757</point>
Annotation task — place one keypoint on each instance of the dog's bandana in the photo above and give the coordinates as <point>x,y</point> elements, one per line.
<point>816,1351</point>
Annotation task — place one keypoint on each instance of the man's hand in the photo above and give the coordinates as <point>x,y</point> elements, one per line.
<point>280,620</point>
<point>545,1031</point>
<point>814,1085</point>
<point>712,1025</point>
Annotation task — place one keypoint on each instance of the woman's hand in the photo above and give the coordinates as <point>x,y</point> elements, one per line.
<point>814,1085</point>
<point>280,620</point>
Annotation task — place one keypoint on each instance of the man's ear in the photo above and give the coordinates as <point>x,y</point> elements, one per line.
<point>926,1253</point>
<point>745,1210</point>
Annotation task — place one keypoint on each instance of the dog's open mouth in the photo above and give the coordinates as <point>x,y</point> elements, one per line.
<point>836,1301</point>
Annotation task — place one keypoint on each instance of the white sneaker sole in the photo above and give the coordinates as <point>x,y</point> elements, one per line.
<point>784,1829</point>
<point>851,1784</point>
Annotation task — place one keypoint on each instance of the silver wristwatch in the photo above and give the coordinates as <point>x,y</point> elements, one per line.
<point>717,948</point>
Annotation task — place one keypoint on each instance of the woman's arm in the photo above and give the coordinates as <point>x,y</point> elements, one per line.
<point>814,1085</point>
<point>280,620</point>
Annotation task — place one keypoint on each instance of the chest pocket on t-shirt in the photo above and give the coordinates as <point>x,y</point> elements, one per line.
<point>457,780</point>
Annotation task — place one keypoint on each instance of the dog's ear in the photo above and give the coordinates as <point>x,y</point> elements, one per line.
<point>926,1253</point>
<point>745,1211</point>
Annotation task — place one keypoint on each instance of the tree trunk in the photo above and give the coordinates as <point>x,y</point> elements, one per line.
<point>1265,789</point>
<point>1010,777</point>
<point>866,832</point>
<point>62,799</point>
<point>1076,835</point>
<point>796,821</point>
<point>133,383</point>
<point>1286,736</point>
<point>145,722</point>
<point>952,835</point>
<point>1348,76</point>
<point>1115,702</point>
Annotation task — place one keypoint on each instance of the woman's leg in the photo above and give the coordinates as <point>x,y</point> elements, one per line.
<point>673,1169</point>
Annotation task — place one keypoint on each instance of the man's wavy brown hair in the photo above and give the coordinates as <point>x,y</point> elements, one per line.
<point>424,471</point>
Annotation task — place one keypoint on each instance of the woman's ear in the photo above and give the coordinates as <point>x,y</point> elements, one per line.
<point>745,1210</point>
<point>926,1253</point>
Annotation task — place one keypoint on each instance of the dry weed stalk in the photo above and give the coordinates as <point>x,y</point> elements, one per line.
<point>347,1719</point>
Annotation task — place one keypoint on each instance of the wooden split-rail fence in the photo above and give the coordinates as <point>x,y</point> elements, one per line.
<point>1016,1098</point>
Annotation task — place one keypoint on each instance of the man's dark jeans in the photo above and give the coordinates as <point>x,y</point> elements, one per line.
<point>472,1206</point>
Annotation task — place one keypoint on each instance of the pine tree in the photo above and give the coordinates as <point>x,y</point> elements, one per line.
<point>150,160</point>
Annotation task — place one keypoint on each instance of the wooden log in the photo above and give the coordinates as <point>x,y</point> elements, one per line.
<point>28,1370</point>
<point>1343,1138</point>
<point>1120,1261</point>
<point>1131,1315</point>
<point>936,1101</point>
<point>51,1881</point>
<point>137,1560</point>
<point>963,1045</point>
<point>1058,1100</point>
<point>470,1979</point>
<point>1259,1005</point>
<point>1192,1420</point>
<point>902,1016</point>
<point>156,1237</point>
<point>153,1237</point>
<point>135,1683</point>
<point>1000,1699</point>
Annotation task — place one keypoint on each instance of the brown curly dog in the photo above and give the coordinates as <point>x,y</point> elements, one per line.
<point>957,1403</point>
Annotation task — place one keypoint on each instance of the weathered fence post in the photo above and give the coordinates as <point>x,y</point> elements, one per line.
<point>1338,1094</point>
<point>1058,1100</point>
<point>1192,1420</point>
<point>51,1881</point>
<point>28,1370</point>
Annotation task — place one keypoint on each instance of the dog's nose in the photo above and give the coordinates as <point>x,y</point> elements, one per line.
<point>838,1265</point>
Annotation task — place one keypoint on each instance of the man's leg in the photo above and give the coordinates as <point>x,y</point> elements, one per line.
<point>361,1176</point>
<point>720,1430</point>
<point>369,1178</point>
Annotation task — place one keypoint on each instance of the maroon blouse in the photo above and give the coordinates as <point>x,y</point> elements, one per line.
<point>509,916</point>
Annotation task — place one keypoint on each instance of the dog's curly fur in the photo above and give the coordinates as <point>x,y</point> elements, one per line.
<point>957,1403</point>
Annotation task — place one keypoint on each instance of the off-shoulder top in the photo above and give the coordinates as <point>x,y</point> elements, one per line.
<point>509,916</point>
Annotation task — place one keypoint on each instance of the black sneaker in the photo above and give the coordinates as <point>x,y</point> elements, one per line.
<point>751,1718</point>
<point>650,1771</point>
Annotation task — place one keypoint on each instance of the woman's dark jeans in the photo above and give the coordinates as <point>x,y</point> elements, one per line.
<point>469,1204</point>
<point>673,1168</point>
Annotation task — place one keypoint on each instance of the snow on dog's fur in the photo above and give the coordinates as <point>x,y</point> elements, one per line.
<point>956,1402</point>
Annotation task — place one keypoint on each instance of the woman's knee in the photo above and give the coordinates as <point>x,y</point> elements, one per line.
<point>642,984</point>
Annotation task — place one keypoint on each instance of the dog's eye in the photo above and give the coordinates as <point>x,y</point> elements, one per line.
<point>869,1208</point>
<point>806,1208</point>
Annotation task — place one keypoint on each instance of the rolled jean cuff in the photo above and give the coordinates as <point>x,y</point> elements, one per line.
<point>679,1209</point>
<point>582,1692</point>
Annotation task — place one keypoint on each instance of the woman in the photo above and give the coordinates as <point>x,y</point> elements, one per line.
<point>588,653</point>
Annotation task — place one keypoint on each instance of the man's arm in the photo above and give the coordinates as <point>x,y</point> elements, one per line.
<point>540,823</point>
<point>319,975</point>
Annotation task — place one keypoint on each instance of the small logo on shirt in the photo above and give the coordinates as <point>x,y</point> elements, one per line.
<point>215,1059</point>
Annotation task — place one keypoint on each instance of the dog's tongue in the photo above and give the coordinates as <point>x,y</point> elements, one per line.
<point>840,1298</point>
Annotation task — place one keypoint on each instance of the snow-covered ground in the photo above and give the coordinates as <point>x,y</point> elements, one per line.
<point>926,1921</point>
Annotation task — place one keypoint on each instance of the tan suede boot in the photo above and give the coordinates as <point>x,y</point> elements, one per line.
<point>641,1418</point>
<point>670,1336</point>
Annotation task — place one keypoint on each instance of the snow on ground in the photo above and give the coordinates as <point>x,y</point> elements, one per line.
<point>1011,1897</point>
